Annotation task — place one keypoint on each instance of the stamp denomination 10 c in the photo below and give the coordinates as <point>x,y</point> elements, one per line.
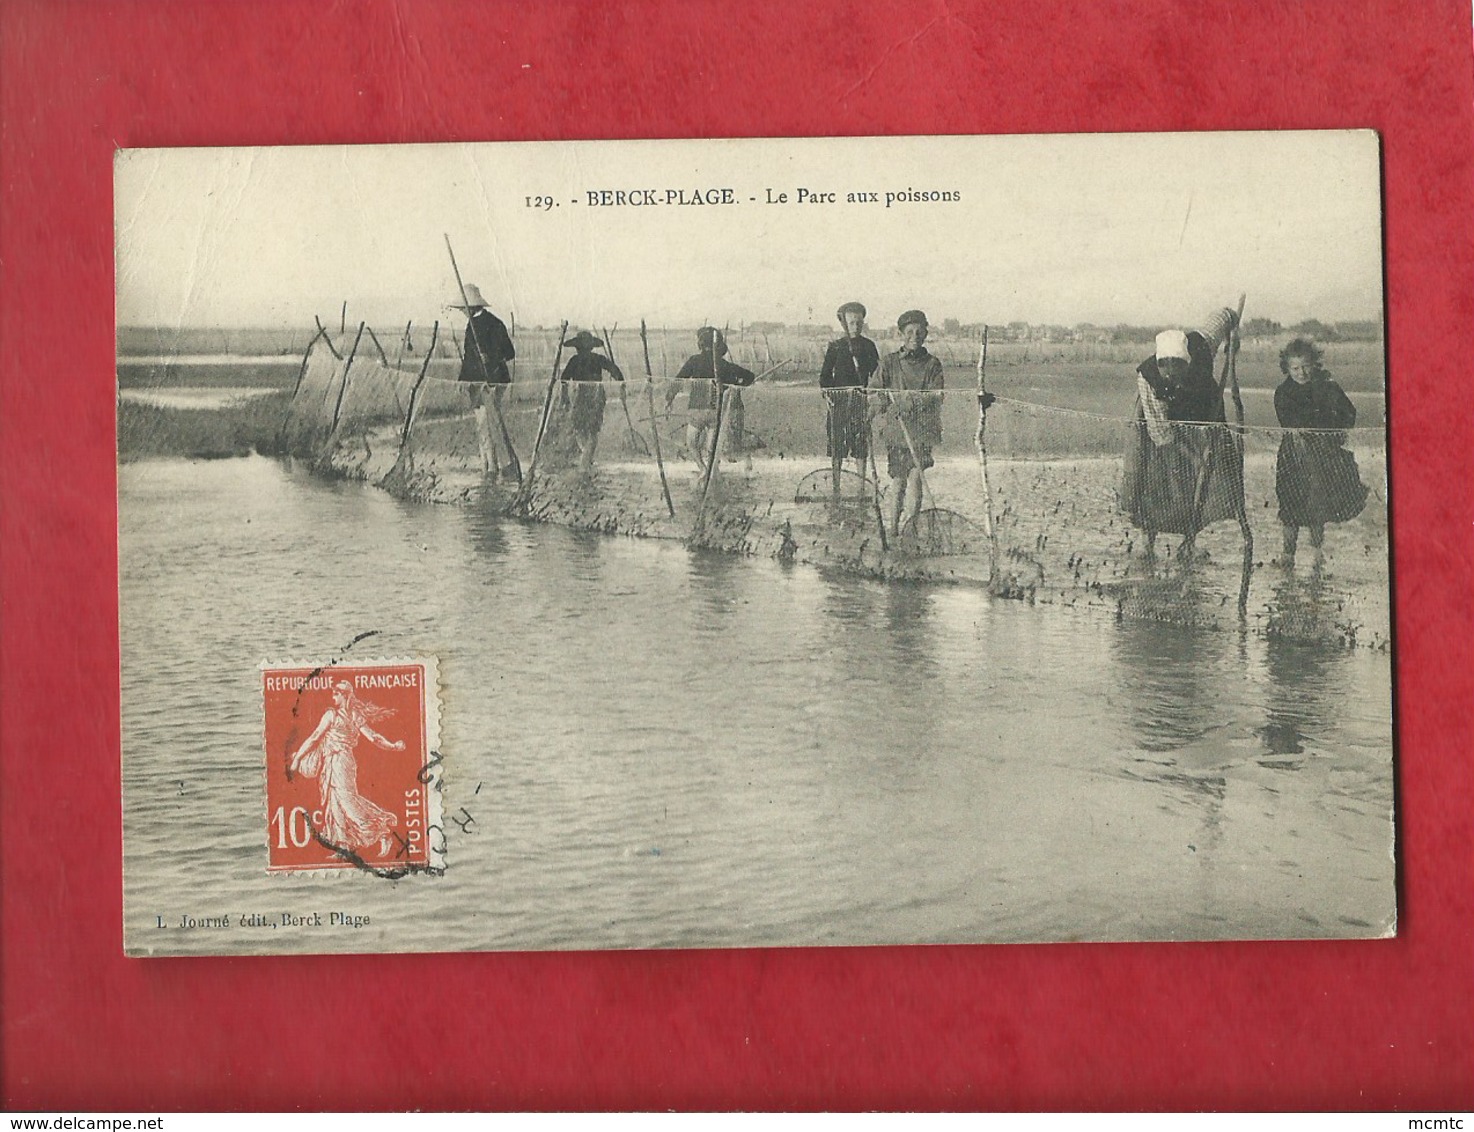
<point>352,766</point>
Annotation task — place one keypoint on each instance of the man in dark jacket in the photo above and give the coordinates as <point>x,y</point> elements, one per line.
<point>484,360</point>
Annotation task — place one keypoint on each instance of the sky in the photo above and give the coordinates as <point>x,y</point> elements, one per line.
<point>1104,228</point>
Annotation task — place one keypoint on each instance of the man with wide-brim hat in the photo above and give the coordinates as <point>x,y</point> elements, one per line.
<point>1182,469</point>
<point>910,413</point>
<point>484,357</point>
<point>704,371</point>
<point>583,373</point>
<point>849,363</point>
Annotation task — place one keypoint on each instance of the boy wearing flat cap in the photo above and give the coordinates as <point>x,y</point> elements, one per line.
<point>849,364</point>
<point>1181,475</point>
<point>910,414</point>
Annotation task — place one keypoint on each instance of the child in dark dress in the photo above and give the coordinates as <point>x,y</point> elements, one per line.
<point>1315,477</point>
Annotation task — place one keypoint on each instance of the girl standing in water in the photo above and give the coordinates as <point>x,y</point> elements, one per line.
<point>1315,477</point>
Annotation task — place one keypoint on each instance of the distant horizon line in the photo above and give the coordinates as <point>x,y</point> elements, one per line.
<point>936,324</point>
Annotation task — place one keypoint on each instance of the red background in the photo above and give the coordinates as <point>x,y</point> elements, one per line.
<point>1322,1025</point>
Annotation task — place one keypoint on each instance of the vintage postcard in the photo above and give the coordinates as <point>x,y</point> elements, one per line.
<point>725,543</point>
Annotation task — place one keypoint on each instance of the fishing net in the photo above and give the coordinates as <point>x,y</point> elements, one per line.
<point>1066,506</point>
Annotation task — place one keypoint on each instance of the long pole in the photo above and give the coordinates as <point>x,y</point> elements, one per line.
<point>542,427</point>
<point>875,482</point>
<point>1238,412</point>
<point>405,450</point>
<point>637,442</point>
<point>471,337</point>
<point>915,459</point>
<point>910,447</point>
<point>982,447</point>
<point>343,385</point>
<point>403,342</point>
<point>1200,492</point>
<point>654,429</point>
<point>715,452</point>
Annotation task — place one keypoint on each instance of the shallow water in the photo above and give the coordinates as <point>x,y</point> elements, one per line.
<point>663,748</point>
<point>193,397</point>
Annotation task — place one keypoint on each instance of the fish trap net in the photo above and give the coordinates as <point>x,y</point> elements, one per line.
<point>1055,505</point>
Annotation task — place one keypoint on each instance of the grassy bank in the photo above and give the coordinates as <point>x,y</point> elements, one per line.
<point>168,375</point>
<point>238,429</point>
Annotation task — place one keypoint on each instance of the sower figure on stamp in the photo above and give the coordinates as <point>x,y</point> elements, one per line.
<point>1183,470</point>
<point>701,372</point>
<point>584,374</point>
<point>910,414</point>
<point>484,360</point>
<point>349,820</point>
<point>1315,476</point>
<point>849,364</point>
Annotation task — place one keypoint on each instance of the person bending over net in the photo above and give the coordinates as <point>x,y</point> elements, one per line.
<point>909,414</point>
<point>484,360</point>
<point>849,364</point>
<point>1181,473</point>
<point>1315,477</point>
<point>701,372</point>
<point>584,374</point>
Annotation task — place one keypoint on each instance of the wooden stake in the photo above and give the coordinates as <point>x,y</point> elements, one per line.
<point>654,428</point>
<point>343,385</point>
<point>982,447</point>
<point>715,452</point>
<point>637,442</point>
<point>383,357</point>
<point>542,427</point>
<point>405,451</point>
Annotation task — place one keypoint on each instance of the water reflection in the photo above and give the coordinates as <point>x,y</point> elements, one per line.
<point>714,577</point>
<point>910,636</point>
<point>1304,678</point>
<point>853,603</point>
<point>850,760</point>
<point>1174,681</point>
<point>487,531</point>
<point>1169,677</point>
<point>586,555</point>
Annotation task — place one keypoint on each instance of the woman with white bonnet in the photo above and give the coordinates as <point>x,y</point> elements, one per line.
<point>1181,474</point>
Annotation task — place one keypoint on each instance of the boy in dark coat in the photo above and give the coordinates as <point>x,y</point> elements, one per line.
<point>849,364</point>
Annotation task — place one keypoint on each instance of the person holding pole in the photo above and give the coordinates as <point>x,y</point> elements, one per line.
<point>849,363</point>
<point>910,414</point>
<point>702,371</point>
<point>585,373</point>
<point>484,361</point>
<point>1181,474</point>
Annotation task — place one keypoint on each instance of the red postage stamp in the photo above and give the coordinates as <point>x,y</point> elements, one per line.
<point>352,766</point>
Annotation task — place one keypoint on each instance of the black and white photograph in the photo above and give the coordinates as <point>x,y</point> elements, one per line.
<point>811,542</point>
